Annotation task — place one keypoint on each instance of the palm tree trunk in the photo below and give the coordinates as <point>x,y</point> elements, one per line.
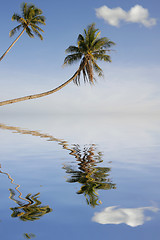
<point>12,44</point>
<point>40,94</point>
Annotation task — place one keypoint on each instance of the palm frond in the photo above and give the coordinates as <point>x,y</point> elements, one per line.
<point>38,20</point>
<point>95,38</point>
<point>31,14</point>
<point>72,49</point>
<point>85,79</point>
<point>16,17</point>
<point>83,47</point>
<point>36,27</point>
<point>90,34</point>
<point>38,11</point>
<point>110,44</point>
<point>13,31</point>
<point>80,38</point>
<point>29,32</point>
<point>30,11</point>
<point>101,51</point>
<point>101,57</point>
<point>19,19</point>
<point>81,69</point>
<point>97,69</point>
<point>24,10</point>
<point>101,43</point>
<point>36,32</point>
<point>76,80</point>
<point>72,58</point>
<point>87,71</point>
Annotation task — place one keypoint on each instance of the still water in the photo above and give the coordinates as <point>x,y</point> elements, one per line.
<point>80,177</point>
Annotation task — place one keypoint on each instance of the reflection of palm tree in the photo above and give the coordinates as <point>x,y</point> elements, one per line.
<point>17,186</point>
<point>30,211</point>
<point>91,178</point>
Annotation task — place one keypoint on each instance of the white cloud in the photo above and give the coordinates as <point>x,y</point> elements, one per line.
<point>136,14</point>
<point>131,216</point>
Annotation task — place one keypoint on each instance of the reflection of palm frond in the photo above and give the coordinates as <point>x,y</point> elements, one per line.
<point>91,177</point>
<point>30,212</point>
<point>29,235</point>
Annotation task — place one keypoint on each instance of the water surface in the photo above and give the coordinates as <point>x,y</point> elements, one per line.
<point>80,177</point>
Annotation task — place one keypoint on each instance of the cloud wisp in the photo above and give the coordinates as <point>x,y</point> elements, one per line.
<point>136,14</point>
<point>131,216</point>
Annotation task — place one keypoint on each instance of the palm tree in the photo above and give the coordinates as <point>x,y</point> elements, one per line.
<point>29,21</point>
<point>89,49</point>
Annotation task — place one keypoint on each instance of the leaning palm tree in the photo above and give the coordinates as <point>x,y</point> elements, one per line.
<point>89,49</point>
<point>29,21</point>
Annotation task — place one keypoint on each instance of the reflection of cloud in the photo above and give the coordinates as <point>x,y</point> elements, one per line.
<point>136,14</point>
<point>130,216</point>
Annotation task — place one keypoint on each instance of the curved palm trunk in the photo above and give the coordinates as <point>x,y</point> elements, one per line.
<point>12,44</point>
<point>40,94</point>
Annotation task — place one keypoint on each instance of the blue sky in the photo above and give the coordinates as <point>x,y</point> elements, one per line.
<point>131,82</point>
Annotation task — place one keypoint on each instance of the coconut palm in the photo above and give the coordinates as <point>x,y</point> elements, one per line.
<point>89,49</point>
<point>29,21</point>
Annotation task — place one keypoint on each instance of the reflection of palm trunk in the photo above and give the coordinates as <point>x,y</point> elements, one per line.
<point>88,153</point>
<point>90,176</point>
<point>17,186</point>
<point>39,94</point>
<point>30,211</point>
<point>61,142</point>
<point>87,161</point>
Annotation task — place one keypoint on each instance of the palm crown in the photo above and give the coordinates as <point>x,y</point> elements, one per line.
<point>30,19</point>
<point>90,49</point>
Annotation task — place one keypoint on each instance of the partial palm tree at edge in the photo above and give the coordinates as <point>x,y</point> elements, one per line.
<point>29,21</point>
<point>89,49</point>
